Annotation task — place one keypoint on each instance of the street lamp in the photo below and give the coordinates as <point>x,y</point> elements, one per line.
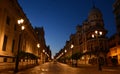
<point>65,55</point>
<point>72,52</point>
<point>38,46</point>
<point>65,51</point>
<point>43,50</point>
<point>96,35</point>
<point>20,22</point>
<point>43,55</point>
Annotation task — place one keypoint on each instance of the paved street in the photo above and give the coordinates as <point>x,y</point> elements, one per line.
<point>58,68</point>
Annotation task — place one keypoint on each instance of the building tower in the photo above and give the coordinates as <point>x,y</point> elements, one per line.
<point>95,40</point>
<point>40,34</point>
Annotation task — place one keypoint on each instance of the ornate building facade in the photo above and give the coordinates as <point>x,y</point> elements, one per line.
<point>90,40</point>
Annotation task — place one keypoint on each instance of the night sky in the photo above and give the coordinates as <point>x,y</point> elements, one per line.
<point>60,17</point>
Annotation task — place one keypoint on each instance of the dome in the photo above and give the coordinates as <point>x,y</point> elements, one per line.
<point>94,11</point>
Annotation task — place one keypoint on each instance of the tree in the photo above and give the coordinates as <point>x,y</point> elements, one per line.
<point>77,56</point>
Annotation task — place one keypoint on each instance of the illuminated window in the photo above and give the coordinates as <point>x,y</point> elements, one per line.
<point>5,43</point>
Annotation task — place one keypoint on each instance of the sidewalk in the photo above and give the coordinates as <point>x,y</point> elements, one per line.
<point>11,70</point>
<point>112,68</point>
<point>6,66</point>
<point>104,68</point>
<point>93,69</point>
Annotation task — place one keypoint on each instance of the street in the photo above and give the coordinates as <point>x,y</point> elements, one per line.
<point>59,68</point>
<point>51,68</point>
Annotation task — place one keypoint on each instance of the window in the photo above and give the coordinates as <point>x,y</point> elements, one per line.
<point>8,20</point>
<point>13,44</point>
<point>15,27</point>
<point>5,60</point>
<point>5,43</point>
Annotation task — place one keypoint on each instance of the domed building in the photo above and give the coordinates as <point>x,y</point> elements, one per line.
<point>89,42</point>
<point>94,40</point>
<point>95,17</point>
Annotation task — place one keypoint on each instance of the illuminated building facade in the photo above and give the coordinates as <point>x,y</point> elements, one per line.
<point>11,34</point>
<point>90,40</point>
<point>44,51</point>
<point>114,41</point>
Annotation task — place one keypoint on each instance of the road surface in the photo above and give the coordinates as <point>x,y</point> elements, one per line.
<point>59,68</point>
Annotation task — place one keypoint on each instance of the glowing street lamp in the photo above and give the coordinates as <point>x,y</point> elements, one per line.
<point>20,22</point>
<point>72,46</point>
<point>43,50</point>
<point>22,27</point>
<point>38,45</point>
<point>43,55</point>
<point>65,51</point>
<point>72,51</point>
<point>96,35</point>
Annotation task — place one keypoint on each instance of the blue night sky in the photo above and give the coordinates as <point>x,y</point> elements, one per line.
<point>60,17</point>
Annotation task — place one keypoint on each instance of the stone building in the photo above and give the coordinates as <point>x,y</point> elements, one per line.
<point>90,39</point>
<point>114,41</point>
<point>113,50</point>
<point>44,51</point>
<point>12,38</point>
<point>93,37</point>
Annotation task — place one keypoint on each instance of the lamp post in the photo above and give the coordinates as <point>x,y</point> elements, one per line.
<point>96,35</point>
<point>43,55</point>
<point>72,52</point>
<point>65,55</point>
<point>38,46</point>
<point>20,22</point>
